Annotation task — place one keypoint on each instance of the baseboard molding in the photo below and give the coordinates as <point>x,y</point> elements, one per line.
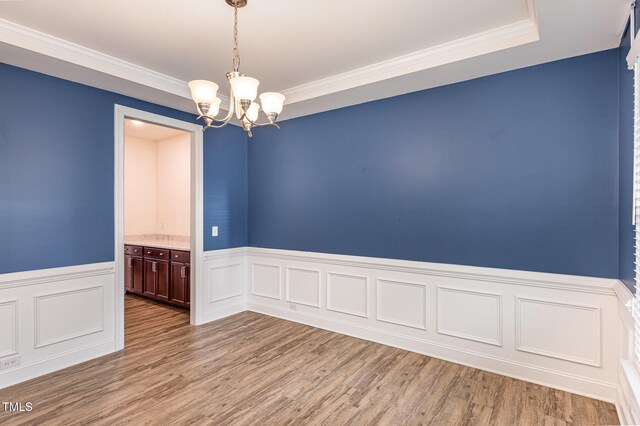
<point>55,363</point>
<point>555,330</point>
<point>530,373</point>
<point>223,312</point>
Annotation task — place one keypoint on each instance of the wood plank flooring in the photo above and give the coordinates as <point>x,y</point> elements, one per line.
<point>254,369</point>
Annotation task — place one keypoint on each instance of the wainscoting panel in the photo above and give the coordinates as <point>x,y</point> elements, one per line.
<point>628,392</point>
<point>487,318</point>
<point>54,318</point>
<point>575,330</point>
<point>303,286</point>
<point>9,328</point>
<point>54,322</point>
<point>224,283</point>
<point>348,294</point>
<point>471,315</point>
<point>402,303</point>
<point>265,280</point>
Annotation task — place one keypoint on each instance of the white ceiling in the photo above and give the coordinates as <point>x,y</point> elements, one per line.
<point>321,54</point>
<point>153,132</point>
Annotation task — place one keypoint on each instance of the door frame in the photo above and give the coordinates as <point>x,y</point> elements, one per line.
<point>197,252</point>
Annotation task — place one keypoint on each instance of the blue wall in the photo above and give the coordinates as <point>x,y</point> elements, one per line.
<point>56,173</point>
<point>626,232</point>
<point>517,170</point>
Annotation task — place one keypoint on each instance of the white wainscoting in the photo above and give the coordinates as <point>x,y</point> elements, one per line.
<point>628,393</point>
<point>54,318</point>
<point>224,283</point>
<point>556,330</point>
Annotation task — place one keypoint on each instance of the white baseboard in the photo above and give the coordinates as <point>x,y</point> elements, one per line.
<point>57,362</point>
<point>223,312</point>
<point>556,330</point>
<point>528,372</point>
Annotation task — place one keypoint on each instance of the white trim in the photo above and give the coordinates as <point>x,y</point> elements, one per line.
<point>268,265</point>
<point>229,296</point>
<point>507,36</point>
<point>55,47</point>
<point>422,334</point>
<point>364,314</point>
<point>55,362</point>
<point>634,52</point>
<point>557,379</point>
<point>288,298</point>
<point>197,256</point>
<point>498,296</point>
<point>14,341</point>
<point>504,276</point>
<point>496,39</point>
<point>422,286</point>
<point>597,362</point>
<point>45,44</point>
<point>37,343</point>
<point>51,275</point>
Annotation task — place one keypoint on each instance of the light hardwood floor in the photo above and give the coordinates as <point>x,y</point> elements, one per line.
<point>255,369</point>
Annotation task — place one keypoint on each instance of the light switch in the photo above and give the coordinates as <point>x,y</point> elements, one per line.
<point>214,231</point>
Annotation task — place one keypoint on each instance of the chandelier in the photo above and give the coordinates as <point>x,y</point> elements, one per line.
<point>243,93</point>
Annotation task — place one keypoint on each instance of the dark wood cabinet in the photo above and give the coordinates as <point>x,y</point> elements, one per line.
<point>158,274</point>
<point>180,287</point>
<point>133,274</point>
<point>133,269</point>
<point>156,279</point>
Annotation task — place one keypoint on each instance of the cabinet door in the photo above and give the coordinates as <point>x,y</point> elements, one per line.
<point>179,280</point>
<point>128,273</point>
<point>150,281</point>
<point>136,275</point>
<point>162,281</point>
<point>187,285</point>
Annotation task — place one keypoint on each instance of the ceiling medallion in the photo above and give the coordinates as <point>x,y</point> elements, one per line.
<point>243,93</point>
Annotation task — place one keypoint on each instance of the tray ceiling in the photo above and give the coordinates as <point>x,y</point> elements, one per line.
<point>321,54</point>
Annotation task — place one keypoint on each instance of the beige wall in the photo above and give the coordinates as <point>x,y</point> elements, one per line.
<point>140,186</point>
<point>174,174</point>
<point>157,186</point>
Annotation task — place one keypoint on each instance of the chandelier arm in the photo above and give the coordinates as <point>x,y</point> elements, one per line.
<point>256,124</point>
<point>213,126</point>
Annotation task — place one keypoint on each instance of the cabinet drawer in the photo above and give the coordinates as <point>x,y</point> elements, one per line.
<point>180,256</point>
<point>156,253</point>
<point>133,250</point>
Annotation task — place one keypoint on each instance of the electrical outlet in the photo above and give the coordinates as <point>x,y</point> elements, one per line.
<point>10,362</point>
<point>214,231</point>
<point>293,306</point>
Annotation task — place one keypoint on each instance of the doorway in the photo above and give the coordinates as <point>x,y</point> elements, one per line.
<point>161,234</point>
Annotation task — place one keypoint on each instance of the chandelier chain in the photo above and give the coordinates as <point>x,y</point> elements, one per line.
<point>236,51</point>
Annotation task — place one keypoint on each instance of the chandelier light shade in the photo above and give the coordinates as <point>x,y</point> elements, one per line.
<point>244,88</point>
<point>272,102</point>
<point>203,91</point>
<point>242,97</point>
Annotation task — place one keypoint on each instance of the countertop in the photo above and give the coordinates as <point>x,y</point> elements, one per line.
<point>158,243</point>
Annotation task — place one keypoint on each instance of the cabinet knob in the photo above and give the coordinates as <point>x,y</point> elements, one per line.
<point>161,254</point>
<point>148,252</point>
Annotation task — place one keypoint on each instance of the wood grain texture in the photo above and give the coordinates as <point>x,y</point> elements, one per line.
<point>254,369</point>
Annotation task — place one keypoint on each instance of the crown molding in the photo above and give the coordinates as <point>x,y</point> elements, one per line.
<point>511,35</point>
<point>48,45</point>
